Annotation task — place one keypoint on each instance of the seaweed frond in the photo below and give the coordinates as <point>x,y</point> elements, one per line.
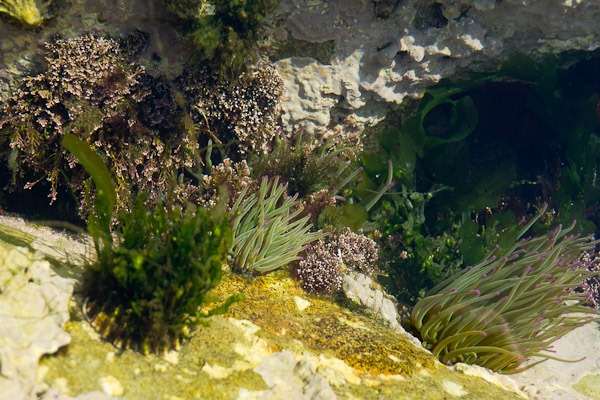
<point>29,12</point>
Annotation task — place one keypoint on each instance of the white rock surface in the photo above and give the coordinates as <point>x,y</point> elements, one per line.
<point>385,51</point>
<point>554,380</point>
<point>289,379</point>
<point>34,307</point>
<point>52,244</point>
<point>361,289</point>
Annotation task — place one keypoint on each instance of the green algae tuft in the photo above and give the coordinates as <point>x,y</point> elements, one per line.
<point>28,12</point>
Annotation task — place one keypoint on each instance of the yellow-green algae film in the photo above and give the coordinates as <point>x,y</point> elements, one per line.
<point>327,328</point>
<point>589,386</point>
<point>220,356</point>
<point>29,12</point>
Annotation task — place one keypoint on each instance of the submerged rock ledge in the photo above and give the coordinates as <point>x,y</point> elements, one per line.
<point>278,343</point>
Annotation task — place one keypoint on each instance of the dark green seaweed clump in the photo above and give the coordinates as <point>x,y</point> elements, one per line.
<point>145,291</point>
<point>227,36</point>
<point>152,275</point>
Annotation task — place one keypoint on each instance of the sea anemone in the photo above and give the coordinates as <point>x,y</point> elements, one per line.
<point>267,233</point>
<point>509,307</point>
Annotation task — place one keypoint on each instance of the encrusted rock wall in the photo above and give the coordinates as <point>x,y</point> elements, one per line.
<point>372,54</point>
<point>387,50</point>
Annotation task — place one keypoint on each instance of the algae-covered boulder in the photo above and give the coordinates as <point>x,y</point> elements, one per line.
<point>280,341</point>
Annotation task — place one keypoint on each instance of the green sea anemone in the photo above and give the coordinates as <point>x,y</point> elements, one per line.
<point>30,12</point>
<point>266,232</point>
<point>510,306</point>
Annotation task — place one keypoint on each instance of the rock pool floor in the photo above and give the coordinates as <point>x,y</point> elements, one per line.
<point>278,343</point>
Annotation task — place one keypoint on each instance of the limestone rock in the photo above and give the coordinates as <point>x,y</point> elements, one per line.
<point>34,307</point>
<point>553,380</point>
<point>290,379</point>
<point>359,288</point>
<point>386,51</point>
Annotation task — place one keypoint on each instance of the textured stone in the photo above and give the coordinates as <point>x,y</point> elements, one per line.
<point>382,57</point>
<point>359,288</point>
<point>301,303</point>
<point>290,379</point>
<point>553,379</point>
<point>34,307</point>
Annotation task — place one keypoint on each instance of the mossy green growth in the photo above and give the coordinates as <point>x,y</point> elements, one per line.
<point>145,291</point>
<point>228,37</point>
<point>28,12</point>
<point>147,285</point>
